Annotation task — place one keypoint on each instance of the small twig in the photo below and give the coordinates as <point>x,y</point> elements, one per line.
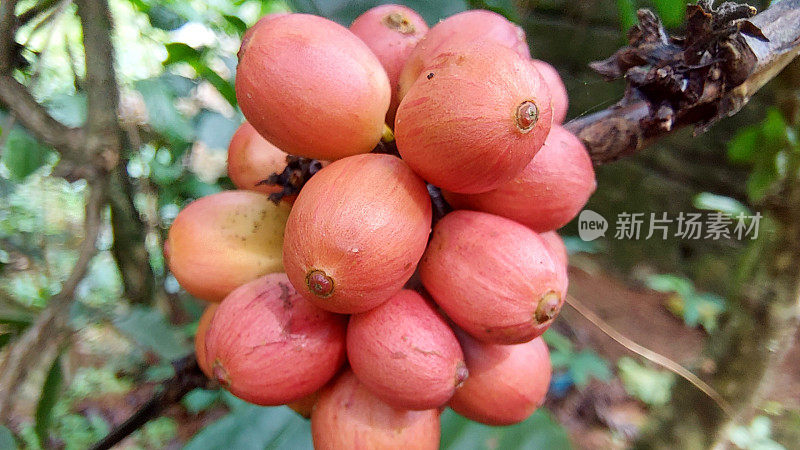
<point>188,377</point>
<point>650,355</point>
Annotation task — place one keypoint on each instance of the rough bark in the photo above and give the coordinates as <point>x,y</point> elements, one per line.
<point>670,87</point>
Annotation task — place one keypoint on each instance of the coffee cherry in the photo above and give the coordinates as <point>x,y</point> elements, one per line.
<point>548,193</point>
<point>269,346</point>
<point>507,383</point>
<point>558,92</point>
<point>200,339</point>
<point>312,88</point>
<point>391,32</point>
<point>463,28</point>
<point>224,240</point>
<point>356,232</point>
<point>493,277</point>
<point>305,405</point>
<point>558,251</point>
<point>405,353</point>
<point>475,120</point>
<point>250,31</point>
<point>348,416</point>
<point>252,159</point>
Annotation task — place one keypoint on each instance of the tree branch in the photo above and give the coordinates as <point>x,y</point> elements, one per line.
<point>104,135</point>
<point>668,90</point>
<point>128,248</point>
<point>35,118</point>
<point>51,325</point>
<point>188,377</point>
<point>35,10</point>
<point>8,30</point>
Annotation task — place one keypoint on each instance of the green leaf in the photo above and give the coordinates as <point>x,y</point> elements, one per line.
<point>23,154</point>
<point>69,109</point>
<point>557,341</point>
<point>538,431</point>
<point>47,400</point>
<point>7,440</point>
<point>576,245</point>
<point>214,129</point>
<point>235,22</point>
<point>651,386</point>
<point>199,400</point>
<point>180,52</point>
<point>713,202</point>
<point>587,365</point>
<point>670,283</point>
<point>164,18</point>
<point>251,427</point>
<point>221,84</point>
<point>164,117</point>
<point>742,147</point>
<point>148,328</point>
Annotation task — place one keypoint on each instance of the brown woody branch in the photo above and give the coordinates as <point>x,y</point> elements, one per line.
<point>694,80</point>
<point>33,116</point>
<point>8,28</point>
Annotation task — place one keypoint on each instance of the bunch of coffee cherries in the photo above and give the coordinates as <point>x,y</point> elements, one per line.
<point>346,301</point>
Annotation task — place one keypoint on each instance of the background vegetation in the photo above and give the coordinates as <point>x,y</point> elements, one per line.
<point>176,62</point>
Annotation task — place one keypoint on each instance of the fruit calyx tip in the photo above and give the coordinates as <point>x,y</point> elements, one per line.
<point>319,283</point>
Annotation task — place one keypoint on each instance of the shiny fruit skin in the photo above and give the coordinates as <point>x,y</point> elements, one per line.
<point>200,339</point>
<point>548,193</point>
<point>348,416</point>
<point>221,241</point>
<point>558,92</point>
<point>312,88</point>
<point>269,346</point>
<point>467,27</point>
<point>507,383</point>
<point>250,31</point>
<point>252,159</point>
<point>391,32</point>
<point>559,252</point>
<point>495,278</point>
<point>404,352</point>
<point>475,120</point>
<point>356,232</point>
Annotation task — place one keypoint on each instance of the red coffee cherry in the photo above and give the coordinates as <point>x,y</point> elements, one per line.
<point>475,120</point>
<point>356,232</point>
<point>405,353</point>
<point>507,383</point>
<point>391,32</point>
<point>348,416</point>
<point>312,88</point>
<point>548,193</point>
<point>493,277</point>
<point>269,346</point>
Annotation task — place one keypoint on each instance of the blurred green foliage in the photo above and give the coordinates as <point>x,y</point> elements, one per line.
<point>696,308</point>
<point>651,386</point>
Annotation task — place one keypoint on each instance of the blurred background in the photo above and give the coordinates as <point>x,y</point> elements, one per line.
<point>176,63</point>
